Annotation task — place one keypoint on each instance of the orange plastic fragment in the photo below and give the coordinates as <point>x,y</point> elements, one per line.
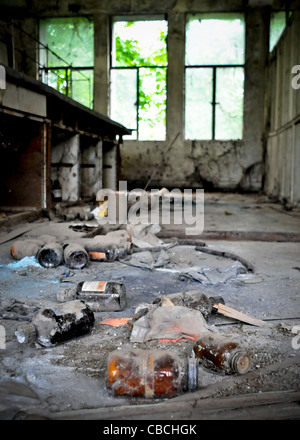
<point>178,339</point>
<point>115,322</point>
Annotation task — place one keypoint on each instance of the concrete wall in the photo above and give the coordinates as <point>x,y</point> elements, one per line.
<point>282,179</point>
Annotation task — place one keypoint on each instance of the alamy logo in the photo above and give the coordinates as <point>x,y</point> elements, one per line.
<point>2,337</point>
<point>2,78</point>
<point>138,207</point>
<point>296,79</point>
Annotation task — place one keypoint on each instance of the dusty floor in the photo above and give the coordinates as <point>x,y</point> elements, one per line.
<point>69,380</point>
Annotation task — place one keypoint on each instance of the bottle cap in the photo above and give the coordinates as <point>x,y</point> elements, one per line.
<point>192,374</point>
<point>240,362</point>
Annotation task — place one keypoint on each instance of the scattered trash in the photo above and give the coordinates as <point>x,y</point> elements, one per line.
<point>25,262</point>
<point>115,322</point>
<point>168,322</point>
<point>222,352</point>
<point>147,260</point>
<point>205,275</point>
<point>235,314</point>
<point>150,374</point>
<point>101,211</point>
<point>143,236</point>
<point>194,299</point>
<point>50,326</point>
<point>99,295</point>
<point>16,310</point>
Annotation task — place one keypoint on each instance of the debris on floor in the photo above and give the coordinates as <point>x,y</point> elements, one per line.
<point>60,323</point>
<point>127,304</point>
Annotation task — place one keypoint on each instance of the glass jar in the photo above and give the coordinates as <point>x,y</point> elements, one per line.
<point>150,374</point>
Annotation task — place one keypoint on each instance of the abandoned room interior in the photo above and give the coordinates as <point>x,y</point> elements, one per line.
<point>149,210</point>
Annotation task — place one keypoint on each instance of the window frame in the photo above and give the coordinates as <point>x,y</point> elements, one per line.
<point>153,17</point>
<point>214,68</point>
<point>44,68</point>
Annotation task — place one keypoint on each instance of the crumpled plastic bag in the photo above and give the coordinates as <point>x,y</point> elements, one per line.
<point>146,260</point>
<point>143,236</point>
<point>169,322</point>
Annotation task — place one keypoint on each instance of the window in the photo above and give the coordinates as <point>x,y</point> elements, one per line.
<point>139,77</point>
<point>277,26</point>
<point>214,76</point>
<point>67,54</point>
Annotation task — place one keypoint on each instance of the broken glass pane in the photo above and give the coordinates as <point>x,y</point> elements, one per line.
<point>277,26</point>
<point>230,99</point>
<point>82,87</point>
<point>59,79</point>
<point>214,39</point>
<point>140,43</point>
<point>72,40</point>
<point>198,108</point>
<point>124,98</point>
<point>71,44</point>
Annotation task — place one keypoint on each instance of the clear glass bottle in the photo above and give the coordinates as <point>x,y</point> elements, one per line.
<point>222,353</point>
<point>75,256</point>
<point>98,252</point>
<point>150,374</point>
<point>50,255</point>
<point>99,295</point>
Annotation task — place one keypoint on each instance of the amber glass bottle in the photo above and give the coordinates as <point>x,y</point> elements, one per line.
<point>150,374</point>
<point>222,352</point>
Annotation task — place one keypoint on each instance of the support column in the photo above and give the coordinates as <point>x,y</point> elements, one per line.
<point>101,63</point>
<point>176,74</point>
<point>91,168</point>
<point>66,167</point>
<point>256,58</point>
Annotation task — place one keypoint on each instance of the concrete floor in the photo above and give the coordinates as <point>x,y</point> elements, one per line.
<point>68,381</point>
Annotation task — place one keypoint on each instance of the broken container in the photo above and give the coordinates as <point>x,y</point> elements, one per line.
<point>150,374</point>
<point>50,326</point>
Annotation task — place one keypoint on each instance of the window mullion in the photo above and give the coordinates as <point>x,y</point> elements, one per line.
<point>214,102</point>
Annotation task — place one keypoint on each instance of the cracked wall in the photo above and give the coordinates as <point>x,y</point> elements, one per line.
<point>221,165</point>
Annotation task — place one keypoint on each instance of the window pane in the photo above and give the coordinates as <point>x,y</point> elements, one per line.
<point>198,108</point>
<point>152,104</point>
<point>72,39</point>
<point>82,87</point>
<point>230,98</point>
<point>59,79</point>
<point>124,98</point>
<point>215,39</point>
<point>277,26</point>
<point>140,43</point>
<point>143,45</point>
